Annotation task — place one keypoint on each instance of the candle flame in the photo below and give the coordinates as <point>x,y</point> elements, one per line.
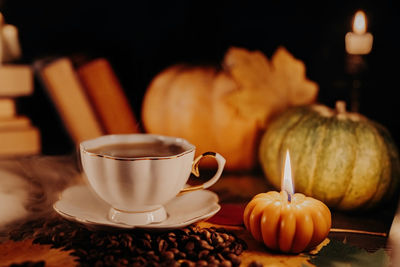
<point>360,22</point>
<point>287,182</point>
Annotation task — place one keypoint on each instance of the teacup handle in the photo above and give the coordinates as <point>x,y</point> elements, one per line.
<point>195,170</point>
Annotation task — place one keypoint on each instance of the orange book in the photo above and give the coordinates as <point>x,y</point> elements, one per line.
<point>15,80</point>
<point>68,95</point>
<point>16,122</point>
<point>8,108</point>
<point>107,96</point>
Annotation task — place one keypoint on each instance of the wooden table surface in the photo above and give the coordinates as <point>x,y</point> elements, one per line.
<point>50,175</point>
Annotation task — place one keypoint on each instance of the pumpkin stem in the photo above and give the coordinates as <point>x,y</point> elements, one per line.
<point>340,107</point>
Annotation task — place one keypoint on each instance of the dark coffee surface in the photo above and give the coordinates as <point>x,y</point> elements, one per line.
<point>139,150</point>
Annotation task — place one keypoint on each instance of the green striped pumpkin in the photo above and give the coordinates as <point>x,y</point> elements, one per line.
<point>341,158</point>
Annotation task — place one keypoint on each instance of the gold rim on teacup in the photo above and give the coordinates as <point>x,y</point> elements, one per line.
<point>158,137</point>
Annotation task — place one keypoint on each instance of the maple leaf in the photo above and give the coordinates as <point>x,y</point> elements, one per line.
<point>23,251</point>
<point>339,254</point>
<point>266,87</point>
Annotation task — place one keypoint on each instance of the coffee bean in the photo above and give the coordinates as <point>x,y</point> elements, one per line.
<point>184,238</point>
<point>211,258</point>
<point>201,263</point>
<point>226,250</point>
<point>214,262</point>
<point>255,264</point>
<point>215,239</point>
<point>225,263</point>
<point>141,259</point>
<point>184,231</point>
<point>174,250</point>
<point>187,263</point>
<point>146,244</point>
<point>181,255</point>
<point>162,245</point>
<point>147,236</point>
<point>220,257</point>
<point>225,236</point>
<point>195,229</point>
<point>168,256</point>
<point>171,234</point>
<point>234,259</point>
<point>238,249</point>
<point>189,246</point>
<point>194,238</point>
<point>205,245</point>
<point>123,262</point>
<point>203,254</point>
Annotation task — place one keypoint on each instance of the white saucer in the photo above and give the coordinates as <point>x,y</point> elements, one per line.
<point>78,203</point>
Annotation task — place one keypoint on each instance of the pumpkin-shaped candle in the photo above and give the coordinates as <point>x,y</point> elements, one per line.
<point>285,221</point>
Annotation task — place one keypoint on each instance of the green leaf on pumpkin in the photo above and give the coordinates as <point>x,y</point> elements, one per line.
<point>339,254</point>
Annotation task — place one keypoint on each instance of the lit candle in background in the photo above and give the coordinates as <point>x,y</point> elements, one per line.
<point>359,42</point>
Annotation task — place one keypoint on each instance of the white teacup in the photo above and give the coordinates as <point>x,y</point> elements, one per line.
<point>136,174</point>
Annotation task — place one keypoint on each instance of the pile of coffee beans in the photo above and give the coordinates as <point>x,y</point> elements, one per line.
<point>190,246</point>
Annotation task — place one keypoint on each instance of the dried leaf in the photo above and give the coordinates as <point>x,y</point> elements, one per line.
<point>337,254</point>
<point>23,251</point>
<point>299,89</point>
<point>267,87</point>
<point>252,72</point>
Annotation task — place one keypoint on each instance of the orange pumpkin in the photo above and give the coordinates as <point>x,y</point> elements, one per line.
<point>189,102</point>
<point>226,110</point>
<point>287,226</point>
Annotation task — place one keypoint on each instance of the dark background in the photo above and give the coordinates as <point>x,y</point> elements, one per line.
<point>141,39</point>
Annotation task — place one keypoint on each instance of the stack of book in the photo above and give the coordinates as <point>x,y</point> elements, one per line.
<point>89,98</point>
<point>17,134</point>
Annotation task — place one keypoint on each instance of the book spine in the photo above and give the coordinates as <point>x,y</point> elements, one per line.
<point>66,92</point>
<point>107,96</point>
<point>8,108</point>
<point>16,80</point>
<point>20,142</point>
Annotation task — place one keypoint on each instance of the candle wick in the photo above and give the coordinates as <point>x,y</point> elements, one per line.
<point>289,197</point>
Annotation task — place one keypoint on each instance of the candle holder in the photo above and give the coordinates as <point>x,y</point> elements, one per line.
<point>357,43</point>
<point>356,66</point>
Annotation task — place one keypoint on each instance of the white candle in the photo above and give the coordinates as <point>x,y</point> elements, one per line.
<point>11,42</point>
<point>359,42</point>
<point>10,49</point>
